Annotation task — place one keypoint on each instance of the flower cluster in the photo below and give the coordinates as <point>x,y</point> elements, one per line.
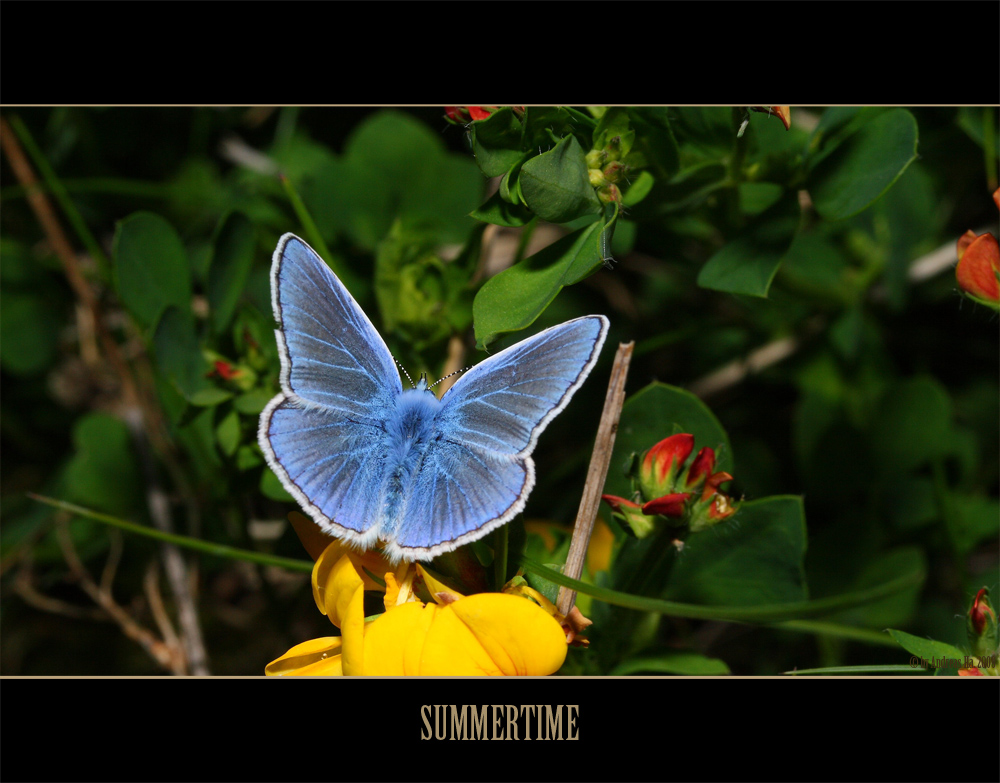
<point>978,270</point>
<point>461,115</point>
<point>665,489</point>
<point>426,628</point>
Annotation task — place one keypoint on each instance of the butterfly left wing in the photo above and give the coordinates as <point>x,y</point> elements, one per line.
<point>479,473</point>
<point>324,434</point>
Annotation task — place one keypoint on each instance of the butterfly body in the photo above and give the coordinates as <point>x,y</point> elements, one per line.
<point>368,460</point>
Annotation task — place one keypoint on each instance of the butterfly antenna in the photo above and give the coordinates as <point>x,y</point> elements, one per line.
<point>449,375</point>
<point>405,372</point>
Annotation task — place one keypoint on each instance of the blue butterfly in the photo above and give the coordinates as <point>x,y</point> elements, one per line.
<point>369,461</point>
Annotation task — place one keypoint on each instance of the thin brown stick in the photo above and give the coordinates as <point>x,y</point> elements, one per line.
<point>600,460</point>
<point>171,659</point>
<point>24,586</point>
<point>151,586</point>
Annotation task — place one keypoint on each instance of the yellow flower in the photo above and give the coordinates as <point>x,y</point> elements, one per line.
<point>510,633</point>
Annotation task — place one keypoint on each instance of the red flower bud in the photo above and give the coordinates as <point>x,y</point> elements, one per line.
<point>979,611</point>
<point>663,462</point>
<point>617,503</point>
<point>783,113</point>
<point>978,267</point>
<point>630,513</point>
<point>668,505</point>
<point>701,468</point>
<point>464,114</point>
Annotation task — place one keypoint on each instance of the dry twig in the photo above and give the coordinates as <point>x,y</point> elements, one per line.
<point>596,474</point>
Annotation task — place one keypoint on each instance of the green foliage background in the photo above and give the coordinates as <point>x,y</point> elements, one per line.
<point>869,454</point>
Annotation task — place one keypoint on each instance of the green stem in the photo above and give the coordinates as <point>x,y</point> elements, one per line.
<point>767,613</point>
<point>838,631</point>
<point>219,550</point>
<point>62,197</point>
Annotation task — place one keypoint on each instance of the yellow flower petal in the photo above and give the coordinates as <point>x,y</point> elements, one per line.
<point>394,642</point>
<point>315,657</point>
<point>452,649</point>
<point>492,633</point>
<point>352,628</point>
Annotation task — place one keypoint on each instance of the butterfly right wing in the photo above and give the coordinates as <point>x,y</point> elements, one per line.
<point>479,472</point>
<point>324,435</point>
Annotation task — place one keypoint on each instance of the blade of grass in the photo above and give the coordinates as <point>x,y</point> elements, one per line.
<point>761,614</point>
<point>219,550</point>
<point>891,668</point>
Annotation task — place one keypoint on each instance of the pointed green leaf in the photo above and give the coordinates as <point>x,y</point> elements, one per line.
<point>514,298</point>
<point>864,165</point>
<point>231,261</point>
<point>496,142</point>
<point>556,186</point>
<point>227,434</point>
<point>925,648</point>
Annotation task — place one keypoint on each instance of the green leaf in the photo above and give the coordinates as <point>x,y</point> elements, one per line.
<point>209,397</point>
<point>30,327</point>
<point>555,184</point>
<point>253,402</point>
<point>501,212</point>
<point>151,267</point>
<point>178,352</point>
<point>514,298</point>
<point>864,165</point>
<point>271,487</point>
<point>672,662</point>
<point>231,262</point>
<point>248,457</point>
<point>756,557</point>
<point>227,434</point>
<point>654,413</point>
<point>496,142</point>
<point>747,265</point>
<point>103,473</point>
<point>638,190</point>
<point>925,648</point>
